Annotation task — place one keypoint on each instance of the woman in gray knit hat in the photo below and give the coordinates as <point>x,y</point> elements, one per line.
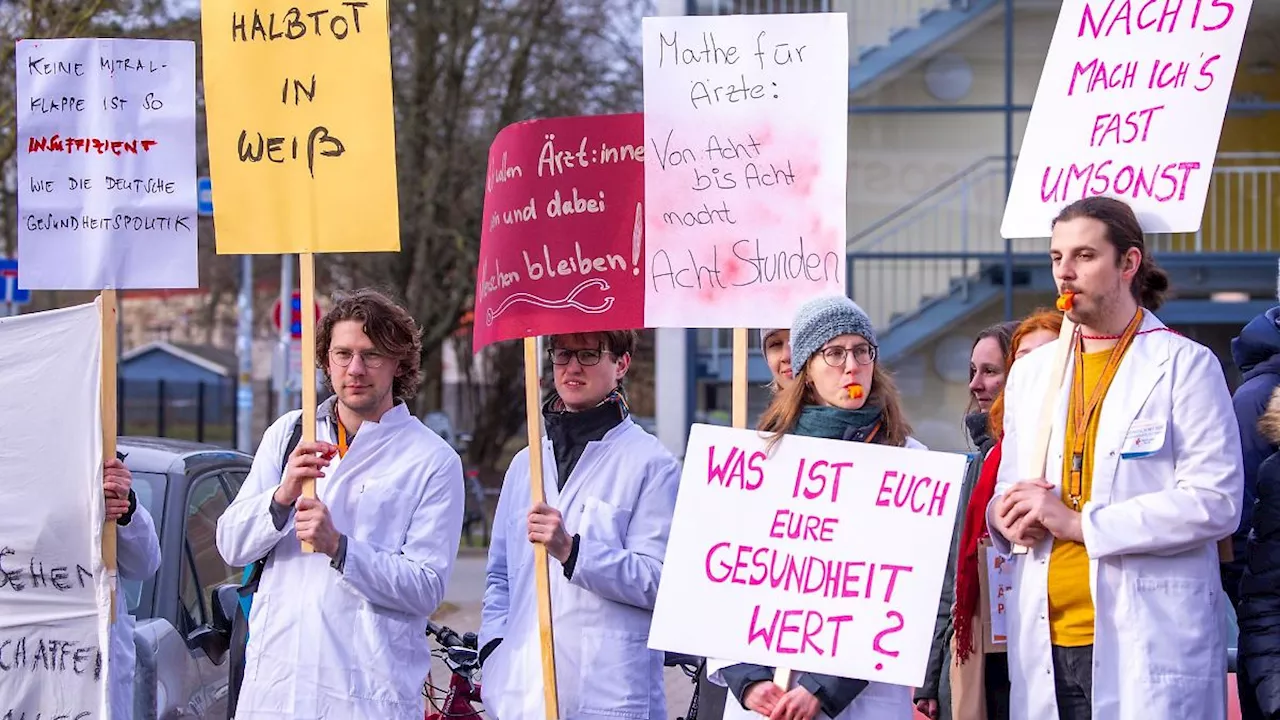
<point>839,392</point>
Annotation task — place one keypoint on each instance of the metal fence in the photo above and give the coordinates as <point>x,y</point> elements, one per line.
<point>198,411</point>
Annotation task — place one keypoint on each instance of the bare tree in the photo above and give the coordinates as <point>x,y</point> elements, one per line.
<point>463,71</point>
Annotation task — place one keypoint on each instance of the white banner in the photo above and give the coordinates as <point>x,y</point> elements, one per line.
<point>1129,105</point>
<point>746,124</point>
<point>54,597</point>
<point>106,164</point>
<point>827,556</point>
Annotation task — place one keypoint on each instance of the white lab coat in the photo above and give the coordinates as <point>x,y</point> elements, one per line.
<point>879,701</point>
<point>1150,529</point>
<point>619,498</point>
<point>137,558</point>
<point>325,644</point>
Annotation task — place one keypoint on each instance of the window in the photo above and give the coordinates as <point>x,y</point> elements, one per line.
<point>203,568</point>
<point>149,489</point>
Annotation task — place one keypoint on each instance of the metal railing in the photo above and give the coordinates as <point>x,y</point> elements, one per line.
<point>872,23</point>
<point>935,246</point>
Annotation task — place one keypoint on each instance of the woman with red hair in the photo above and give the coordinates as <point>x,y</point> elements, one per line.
<point>980,683</point>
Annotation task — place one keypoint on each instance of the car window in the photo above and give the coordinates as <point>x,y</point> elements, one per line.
<point>203,568</point>
<point>149,488</point>
<point>235,479</point>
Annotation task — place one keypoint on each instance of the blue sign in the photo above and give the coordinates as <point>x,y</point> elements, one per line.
<point>9,291</point>
<point>204,196</point>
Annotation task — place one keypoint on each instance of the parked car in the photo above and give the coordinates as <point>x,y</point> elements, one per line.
<point>183,618</point>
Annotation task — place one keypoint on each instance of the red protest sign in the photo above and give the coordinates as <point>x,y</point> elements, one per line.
<point>562,246</point>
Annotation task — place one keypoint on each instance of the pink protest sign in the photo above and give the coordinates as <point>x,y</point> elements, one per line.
<point>821,555</point>
<point>1129,105</point>
<point>561,247</point>
<point>746,127</point>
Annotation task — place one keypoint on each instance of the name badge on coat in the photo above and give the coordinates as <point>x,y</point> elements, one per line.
<point>1145,437</point>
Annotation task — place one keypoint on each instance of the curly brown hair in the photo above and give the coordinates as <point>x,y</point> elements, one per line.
<point>391,329</point>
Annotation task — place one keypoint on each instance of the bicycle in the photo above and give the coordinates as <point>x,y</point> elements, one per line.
<point>461,656</point>
<point>692,666</point>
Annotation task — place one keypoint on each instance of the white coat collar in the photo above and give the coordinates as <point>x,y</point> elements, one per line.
<point>563,498</point>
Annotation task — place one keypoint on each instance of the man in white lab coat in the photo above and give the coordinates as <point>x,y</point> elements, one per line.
<point>1118,608</point>
<point>611,491</point>
<point>338,633</point>
<point>137,558</point>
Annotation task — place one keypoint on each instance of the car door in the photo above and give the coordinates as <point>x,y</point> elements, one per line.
<point>203,570</point>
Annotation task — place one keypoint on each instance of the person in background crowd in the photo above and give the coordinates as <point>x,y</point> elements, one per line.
<point>611,493</point>
<point>1117,605</point>
<point>986,378</point>
<point>840,392</point>
<point>775,343</point>
<point>337,633</point>
<point>1259,609</point>
<point>1256,353</point>
<point>979,682</point>
<point>137,559</point>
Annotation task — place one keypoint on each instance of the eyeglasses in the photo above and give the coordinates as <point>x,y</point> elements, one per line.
<point>371,358</point>
<point>837,356</point>
<point>586,358</point>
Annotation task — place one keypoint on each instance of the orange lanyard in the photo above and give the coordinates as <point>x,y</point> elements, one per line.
<point>1081,413</point>
<point>342,440</point>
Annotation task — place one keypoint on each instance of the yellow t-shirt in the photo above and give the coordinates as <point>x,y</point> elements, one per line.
<point>1070,602</point>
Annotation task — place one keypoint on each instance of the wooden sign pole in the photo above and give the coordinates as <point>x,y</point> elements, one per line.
<point>110,320</point>
<point>307,284</point>
<point>541,568</point>
<point>781,676</point>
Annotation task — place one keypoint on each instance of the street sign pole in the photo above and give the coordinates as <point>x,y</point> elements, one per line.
<point>286,303</point>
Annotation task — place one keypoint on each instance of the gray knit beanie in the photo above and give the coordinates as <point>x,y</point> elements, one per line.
<point>824,318</point>
<point>765,333</point>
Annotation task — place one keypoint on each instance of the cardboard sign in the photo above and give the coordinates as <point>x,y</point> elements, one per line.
<point>54,592</point>
<point>561,248</point>
<point>824,556</point>
<point>1130,105</point>
<point>746,126</point>
<point>301,133</point>
<point>106,164</point>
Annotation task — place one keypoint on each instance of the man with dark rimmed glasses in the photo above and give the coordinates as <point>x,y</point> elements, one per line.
<point>610,494</point>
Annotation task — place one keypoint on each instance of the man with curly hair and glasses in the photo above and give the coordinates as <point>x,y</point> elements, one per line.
<point>337,633</point>
<point>610,494</point>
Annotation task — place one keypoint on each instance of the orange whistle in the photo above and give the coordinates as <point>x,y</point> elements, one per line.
<point>1064,301</point>
<point>855,391</point>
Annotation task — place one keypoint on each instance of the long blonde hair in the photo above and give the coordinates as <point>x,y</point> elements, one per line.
<point>783,413</point>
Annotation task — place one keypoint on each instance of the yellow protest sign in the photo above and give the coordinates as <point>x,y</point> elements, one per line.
<point>301,134</point>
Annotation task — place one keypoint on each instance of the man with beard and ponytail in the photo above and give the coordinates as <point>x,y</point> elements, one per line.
<point>337,633</point>
<point>1118,605</point>
<point>610,495</point>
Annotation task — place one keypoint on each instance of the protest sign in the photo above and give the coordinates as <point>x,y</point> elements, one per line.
<point>561,246</point>
<point>54,592</point>
<point>106,164</point>
<point>1129,105</point>
<point>301,133</point>
<point>745,125</point>
<point>821,555</point>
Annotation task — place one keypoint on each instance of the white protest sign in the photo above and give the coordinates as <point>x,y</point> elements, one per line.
<point>106,164</point>
<point>1129,105</point>
<point>826,556</point>
<point>746,126</point>
<point>54,597</point>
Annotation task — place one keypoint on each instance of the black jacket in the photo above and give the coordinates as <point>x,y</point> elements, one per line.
<point>1259,612</point>
<point>1256,353</point>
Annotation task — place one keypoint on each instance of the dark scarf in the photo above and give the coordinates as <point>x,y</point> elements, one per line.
<point>979,426</point>
<point>835,423</point>
<point>571,431</point>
